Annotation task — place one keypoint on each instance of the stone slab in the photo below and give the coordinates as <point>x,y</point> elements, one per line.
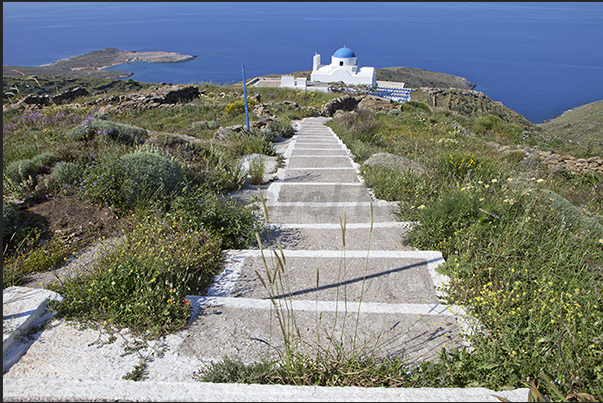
<point>23,308</point>
<point>376,279</point>
<point>318,152</point>
<point>322,192</point>
<point>60,389</point>
<point>319,162</point>
<point>314,145</point>
<point>348,175</point>
<point>249,334</point>
<point>329,237</point>
<point>299,213</point>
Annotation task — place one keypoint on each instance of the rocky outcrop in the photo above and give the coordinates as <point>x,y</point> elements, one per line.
<point>346,103</point>
<point>376,104</point>
<point>557,162</point>
<point>396,162</point>
<point>34,101</point>
<point>163,97</point>
<point>223,132</point>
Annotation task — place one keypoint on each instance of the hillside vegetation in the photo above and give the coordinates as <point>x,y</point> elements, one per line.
<point>523,245</point>
<point>581,128</point>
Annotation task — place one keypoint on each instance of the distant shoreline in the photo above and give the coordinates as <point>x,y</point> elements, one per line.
<point>94,64</point>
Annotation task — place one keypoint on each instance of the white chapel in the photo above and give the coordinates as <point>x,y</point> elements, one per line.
<point>343,67</point>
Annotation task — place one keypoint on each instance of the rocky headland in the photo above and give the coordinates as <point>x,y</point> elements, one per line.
<point>94,64</point>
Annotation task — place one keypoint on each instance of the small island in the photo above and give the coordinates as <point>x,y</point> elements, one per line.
<point>94,64</point>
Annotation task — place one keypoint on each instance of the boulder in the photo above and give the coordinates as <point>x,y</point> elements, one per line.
<point>393,161</point>
<point>224,131</point>
<point>345,103</point>
<point>375,104</point>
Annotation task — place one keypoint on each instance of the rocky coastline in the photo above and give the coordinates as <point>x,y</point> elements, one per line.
<point>94,64</point>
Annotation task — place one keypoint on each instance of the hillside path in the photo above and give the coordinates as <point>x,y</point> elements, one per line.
<point>366,293</point>
<point>372,293</point>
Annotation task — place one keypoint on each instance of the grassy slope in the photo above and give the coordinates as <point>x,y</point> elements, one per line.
<point>582,125</point>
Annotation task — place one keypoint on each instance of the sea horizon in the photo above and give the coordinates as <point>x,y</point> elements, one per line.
<point>538,59</point>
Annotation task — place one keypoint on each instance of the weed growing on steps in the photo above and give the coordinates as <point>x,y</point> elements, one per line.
<point>343,362</point>
<point>257,166</point>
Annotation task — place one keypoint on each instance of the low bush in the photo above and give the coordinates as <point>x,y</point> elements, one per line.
<point>10,220</point>
<point>44,162</point>
<point>142,283</point>
<point>92,127</point>
<point>21,171</point>
<point>146,174</point>
<point>64,176</point>
<point>231,220</point>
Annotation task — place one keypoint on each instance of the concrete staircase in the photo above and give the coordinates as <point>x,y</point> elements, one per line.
<point>369,294</point>
<point>365,294</point>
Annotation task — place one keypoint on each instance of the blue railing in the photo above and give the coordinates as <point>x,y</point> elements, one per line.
<point>395,94</point>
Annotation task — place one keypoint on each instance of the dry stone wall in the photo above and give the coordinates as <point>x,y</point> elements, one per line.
<point>557,162</point>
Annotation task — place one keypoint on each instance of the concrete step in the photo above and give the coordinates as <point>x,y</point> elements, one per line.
<point>342,175</point>
<point>352,275</point>
<point>358,236</point>
<point>318,152</point>
<point>330,212</point>
<point>319,162</point>
<point>320,192</point>
<point>249,329</point>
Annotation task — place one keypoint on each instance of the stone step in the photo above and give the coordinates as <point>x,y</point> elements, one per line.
<point>319,162</point>
<point>352,275</point>
<point>320,192</point>
<point>318,152</point>
<point>330,212</point>
<point>384,236</point>
<point>250,330</point>
<point>315,145</point>
<point>343,175</point>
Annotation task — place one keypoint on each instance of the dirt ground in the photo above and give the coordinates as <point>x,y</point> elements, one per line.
<point>72,217</point>
<point>76,221</point>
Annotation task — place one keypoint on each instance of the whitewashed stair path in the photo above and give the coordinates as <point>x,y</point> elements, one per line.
<point>374,292</point>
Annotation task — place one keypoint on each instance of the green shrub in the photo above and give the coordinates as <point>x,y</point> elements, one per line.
<point>394,112</point>
<point>215,167</point>
<point>20,171</point>
<point>143,282</point>
<point>44,162</point>
<point>148,174</point>
<point>412,106</point>
<point>10,220</point>
<point>238,107</point>
<point>256,169</point>
<point>64,175</point>
<point>282,128</point>
<point>92,127</point>
<point>231,220</point>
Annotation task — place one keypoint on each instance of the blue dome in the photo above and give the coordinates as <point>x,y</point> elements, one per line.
<point>344,53</point>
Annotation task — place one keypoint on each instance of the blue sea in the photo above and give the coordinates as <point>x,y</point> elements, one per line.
<point>539,59</point>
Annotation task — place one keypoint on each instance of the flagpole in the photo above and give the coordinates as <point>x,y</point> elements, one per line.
<point>245,97</point>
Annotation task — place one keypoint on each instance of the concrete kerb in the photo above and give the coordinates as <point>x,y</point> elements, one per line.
<point>47,389</point>
<point>23,309</point>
